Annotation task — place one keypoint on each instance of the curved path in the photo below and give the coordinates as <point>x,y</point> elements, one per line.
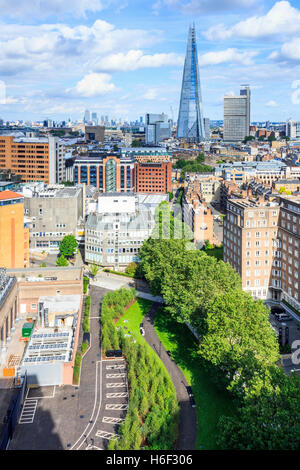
<point>188,417</point>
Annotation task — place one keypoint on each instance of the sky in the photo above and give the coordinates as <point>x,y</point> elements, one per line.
<point>124,58</point>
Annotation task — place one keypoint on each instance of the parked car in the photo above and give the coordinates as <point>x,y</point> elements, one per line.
<point>141,325</point>
<point>142,331</point>
<point>189,390</point>
<point>169,353</point>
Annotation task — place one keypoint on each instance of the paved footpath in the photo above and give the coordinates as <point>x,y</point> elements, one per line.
<point>188,416</point>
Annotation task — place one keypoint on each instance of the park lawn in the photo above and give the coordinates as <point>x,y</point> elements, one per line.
<point>211,402</point>
<point>135,315</point>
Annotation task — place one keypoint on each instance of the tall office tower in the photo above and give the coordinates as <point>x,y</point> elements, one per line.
<point>207,128</point>
<point>292,129</point>
<point>87,116</point>
<point>95,118</point>
<point>190,118</point>
<point>158,128</point>
<point>237,115</point>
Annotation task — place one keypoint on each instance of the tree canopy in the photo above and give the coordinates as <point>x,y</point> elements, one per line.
<point>67,246</point>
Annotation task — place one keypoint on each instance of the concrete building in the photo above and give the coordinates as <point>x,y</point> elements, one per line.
<point>158,128</point>
<point>292,129</point>
<point>33,158</point>
<point>51,300</point>
<point>147,154</point>
<point>115,233</point>
<point>55,211</point>
<point>94,133</point>
<point>14,231</point>
<point>237,116</point>
<point>8,309</point>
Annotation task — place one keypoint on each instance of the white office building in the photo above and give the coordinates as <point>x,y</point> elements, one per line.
<point>237,116</point>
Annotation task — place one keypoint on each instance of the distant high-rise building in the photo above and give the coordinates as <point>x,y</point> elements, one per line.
<point>95,118</point>
<point>207,128</point>
<point>87,116</point>
<point>158,128</point>
<point>190,118</point>
<point>237,115</point>
<point>292,129</point>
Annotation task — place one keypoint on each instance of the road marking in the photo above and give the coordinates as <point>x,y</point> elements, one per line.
<point>115,376</point>
<point>106,435</point>
<point>114,359</point>
<point>117,406</point>
<point>116,385</point>
<point>85,434</point>
<point>116,367</point>
<point>117,395</point>
<point>28,412</point>
<point>111,420</point>
<point>91,447</point>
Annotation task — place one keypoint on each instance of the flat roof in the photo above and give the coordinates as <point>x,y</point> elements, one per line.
<point>5,195</point>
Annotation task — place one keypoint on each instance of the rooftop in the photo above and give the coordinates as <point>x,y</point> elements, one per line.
<point>6,195</point>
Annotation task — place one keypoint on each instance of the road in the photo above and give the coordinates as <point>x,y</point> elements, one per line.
<point>188,416</point>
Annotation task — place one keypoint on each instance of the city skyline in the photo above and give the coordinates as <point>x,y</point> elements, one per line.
<point>127,59</point>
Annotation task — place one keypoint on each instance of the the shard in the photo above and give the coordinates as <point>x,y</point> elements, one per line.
<point>190,119</point>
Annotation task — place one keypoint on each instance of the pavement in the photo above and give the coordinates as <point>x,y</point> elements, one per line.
<point>68,416</point>
<point>188,417</point>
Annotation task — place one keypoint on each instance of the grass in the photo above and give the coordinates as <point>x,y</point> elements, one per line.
<point>135,315</point>
<point>211,402</point>
<point>76,370</point>
<point>217,252</point>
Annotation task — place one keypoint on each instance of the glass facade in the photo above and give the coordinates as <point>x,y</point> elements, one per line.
<point>93,175</point>
<point>190,118</point>
<point>111,176</point>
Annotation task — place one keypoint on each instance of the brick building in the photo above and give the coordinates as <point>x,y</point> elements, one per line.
<point>153,177</point>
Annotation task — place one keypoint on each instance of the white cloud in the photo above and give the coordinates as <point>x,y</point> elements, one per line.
<point>289,51</point>
<point>295,96</point>
<point>44,8</point>
<point>65,50</point>
<point>93,84</point>
<point>282,19</point>
<point>228,55</point>
<point>272,104</point>
<point>203,6</point>
<point>135,59</point>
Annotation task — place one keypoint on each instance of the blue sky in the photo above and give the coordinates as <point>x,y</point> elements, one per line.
<point>124,58</point>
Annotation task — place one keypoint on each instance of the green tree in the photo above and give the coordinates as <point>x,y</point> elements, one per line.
<point>62,261</point>
<point>269,420</point>
<point>67,246</point>
<point>94,269</point>
<point>131,268</point>
<point>237,338</point>
<point>136,143</point>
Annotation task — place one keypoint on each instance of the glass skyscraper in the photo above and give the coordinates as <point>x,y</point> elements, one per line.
<point>190,119</point>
